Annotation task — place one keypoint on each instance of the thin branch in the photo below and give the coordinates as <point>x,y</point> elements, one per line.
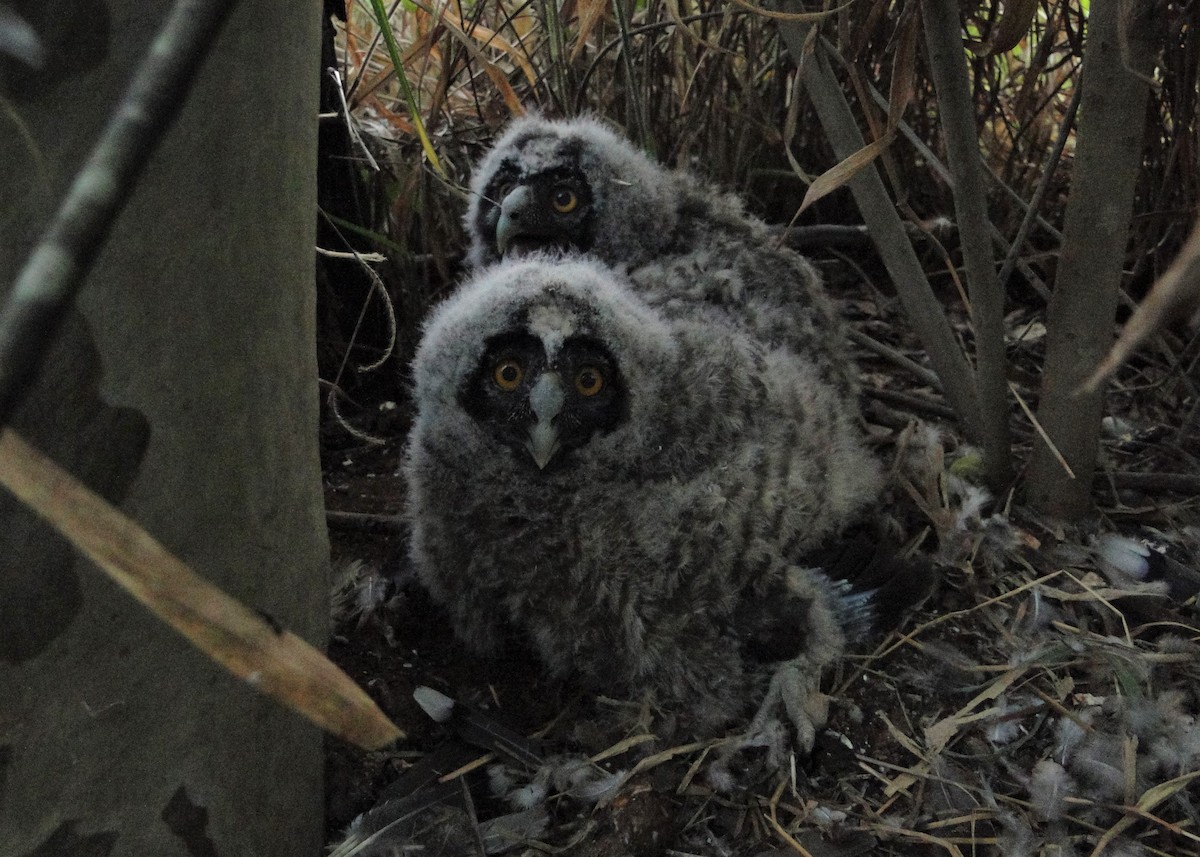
<point>926,376</point>
<point>1180,483</point>
<point>916,404</point>
<point>56,270</point>
<point>948,64</point>
<point>1064,131</point>
<point>363,521</point>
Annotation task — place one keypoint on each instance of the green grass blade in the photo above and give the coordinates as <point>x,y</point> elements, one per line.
<point>410,98</point>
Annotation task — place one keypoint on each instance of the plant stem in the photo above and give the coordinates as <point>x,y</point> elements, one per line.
<point>948,64</point>
<point>57,268</point>
<point>883,222</point>
<point>1080,317</point>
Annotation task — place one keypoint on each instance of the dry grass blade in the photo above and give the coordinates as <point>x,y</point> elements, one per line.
<point>1037,426</point>
<point>590,13</point>
<point>667,755</point>
<point>792,17</point>
<point>939,734</point>
<point>917,836</point>
<point>1151,798</point>
<point>904,68</point>
<point>842,172</point>
<point>773,820</point>
<point>273,660</point>
<point>1176,293</point>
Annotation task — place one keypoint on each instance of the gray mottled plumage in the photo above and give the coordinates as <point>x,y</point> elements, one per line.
<point>650,536</point>
<point>682,242</point>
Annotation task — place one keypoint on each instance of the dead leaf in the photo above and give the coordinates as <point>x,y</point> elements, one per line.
<point>841,173</point>
<point>590,12</point>
<point>904,65</point>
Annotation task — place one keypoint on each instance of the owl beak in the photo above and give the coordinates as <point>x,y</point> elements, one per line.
<point>546,400</point>
<point>508,226</point>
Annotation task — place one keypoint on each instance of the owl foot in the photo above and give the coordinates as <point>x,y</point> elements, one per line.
<point>792,712</point>
<point>797,691</point>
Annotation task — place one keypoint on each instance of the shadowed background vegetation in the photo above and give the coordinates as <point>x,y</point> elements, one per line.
<point>711,87</point>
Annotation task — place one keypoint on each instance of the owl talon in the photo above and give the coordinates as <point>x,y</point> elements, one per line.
<point>787,721</point>
<point>797,691</point>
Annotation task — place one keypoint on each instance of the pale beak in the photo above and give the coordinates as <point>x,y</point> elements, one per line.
<point>508,226</point>
<point>546,400</point>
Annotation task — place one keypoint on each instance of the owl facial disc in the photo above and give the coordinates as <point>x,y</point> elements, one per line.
<point>545,211</point>
<point>545,390</point>
<point>545,400</point>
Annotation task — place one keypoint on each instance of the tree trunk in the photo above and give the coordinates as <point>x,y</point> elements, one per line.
<point>1080,317</point>
<point>184,388</point>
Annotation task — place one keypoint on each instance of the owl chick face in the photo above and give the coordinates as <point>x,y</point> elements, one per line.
<point>545,398</point>
<point>524,361</point>
<point>551,209</point>
<point>568,186</point>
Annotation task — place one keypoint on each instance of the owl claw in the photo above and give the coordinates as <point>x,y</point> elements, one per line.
<point>798,692</point>
<point>805,709</point>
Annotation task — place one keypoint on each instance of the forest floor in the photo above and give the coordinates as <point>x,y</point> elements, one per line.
<point>1043,700</point>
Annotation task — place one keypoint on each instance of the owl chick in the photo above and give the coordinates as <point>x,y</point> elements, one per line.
<point>632,491</point>
<point>574,185</point>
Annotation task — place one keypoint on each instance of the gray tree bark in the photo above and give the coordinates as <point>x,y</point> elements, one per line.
<point>184,388</point>
<point>1081,314</point>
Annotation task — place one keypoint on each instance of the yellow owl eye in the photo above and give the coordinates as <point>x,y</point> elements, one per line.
<point>508,374</point>
<point>589,381</point>
<point>564,200</point>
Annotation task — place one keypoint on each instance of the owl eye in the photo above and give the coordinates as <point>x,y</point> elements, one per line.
<point>564,200</point>
<point>589,381</point>
<point>508,374</point>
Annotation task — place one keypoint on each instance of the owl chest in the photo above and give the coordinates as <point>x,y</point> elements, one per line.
<point>528,542</point>
<point>604,553</point>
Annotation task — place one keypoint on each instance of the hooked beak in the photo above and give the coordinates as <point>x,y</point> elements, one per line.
<point>508,226</point>
<point>546,399</point>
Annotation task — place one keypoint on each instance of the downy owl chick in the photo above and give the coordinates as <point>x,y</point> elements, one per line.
<point>632,491</point>
<point>575,186</point>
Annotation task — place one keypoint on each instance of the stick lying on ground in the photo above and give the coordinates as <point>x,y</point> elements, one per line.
<point>274,660</point>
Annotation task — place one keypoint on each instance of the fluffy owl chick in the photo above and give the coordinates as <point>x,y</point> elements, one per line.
<point>633,494</point>
<point>576,186</point>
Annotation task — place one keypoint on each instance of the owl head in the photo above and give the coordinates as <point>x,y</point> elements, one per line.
<point>538,365</point>
<point>569,185</point>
